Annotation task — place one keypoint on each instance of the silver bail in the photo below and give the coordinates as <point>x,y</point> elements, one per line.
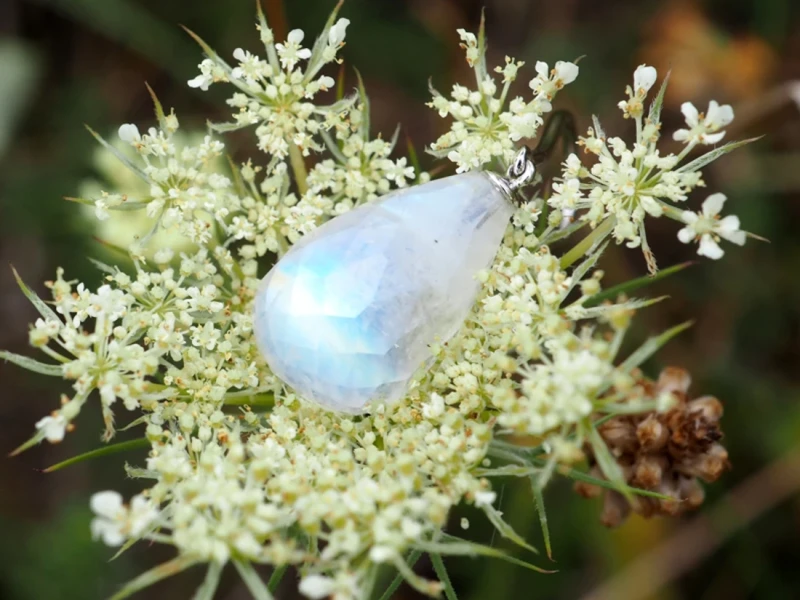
<point>520,172</point>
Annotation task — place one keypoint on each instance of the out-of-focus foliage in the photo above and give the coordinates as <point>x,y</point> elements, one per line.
<point>66,62</point>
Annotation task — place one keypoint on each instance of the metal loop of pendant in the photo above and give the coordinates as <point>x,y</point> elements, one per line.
<point>519,174</point>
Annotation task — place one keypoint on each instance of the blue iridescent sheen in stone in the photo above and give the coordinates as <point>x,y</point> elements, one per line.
<point>347,315</point>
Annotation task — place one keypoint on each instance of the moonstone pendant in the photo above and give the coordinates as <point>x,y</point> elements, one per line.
<point>347,315</point>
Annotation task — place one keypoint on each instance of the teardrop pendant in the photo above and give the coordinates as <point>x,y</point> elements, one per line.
<point>347,315</point>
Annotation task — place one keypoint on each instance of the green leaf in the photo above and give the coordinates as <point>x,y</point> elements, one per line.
<point>481,72</point>
<point>579,312</point>
<point>38,437</point>
<point>586,478</point>
<point>162,571</point>
<point>651,346</point>
<point>540,509</point>
<point>598,129</point>
<point>655,108</point>
<point>412,559</point>
<point>128,206</point>
<point>209,586</point>
<point>505,529</point>
<point>709,157</point>
<point>98,452</point>
<point>455,546</point>
<point>444,578</point>
<point>315,60</point>
<point>140,473</point>
<point>119,155</point>
<point>31,364</point>
<point>562,233</point>
<point>413,158</point>
<point>362,95</point>
<point>276,577</point>
<point>40,305</point>
<point>228,127</point>
<point>129,543</point>
<point>159,110</point>
<point>272,56</point>
<point>103,267</point>
<point>630,286</point>
<point>607,463</point>
<point>209,51</point>
<point>83,201</point>
<point>255,585</point>
<point>523,452</point>
<point>506,471</point>
<point>119,253</point>
<point>585,266</point>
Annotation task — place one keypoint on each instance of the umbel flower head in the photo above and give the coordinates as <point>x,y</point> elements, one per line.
<point>243,472</point>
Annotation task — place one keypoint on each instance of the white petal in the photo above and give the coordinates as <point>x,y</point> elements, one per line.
<point>201,81</point>
<point>689,217</point>
<point>316,586</point>
<point>239,55</point>
<point>541,68</point>
<point>643,78</point>
<point>337,32</point>
<point>681,135</point>
<point>728,225</point>
<point>713,138</point>
<point>109,532</point>
<point>710,248</point>
<point>713,204</point>
<point>106,504</point>
<point>718,116</point>
<point>486,498</point>
<point>566,71</point>
<point>295,36</point>
<point>735,237</point>
<point>686,235</point>
<point>690,112</point>
<point>112,536</point>
<point>652,207</point>
<point>54,428</point>
<point>129,132</point>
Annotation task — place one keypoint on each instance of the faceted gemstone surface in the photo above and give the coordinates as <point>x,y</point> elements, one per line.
<point>347,315</point>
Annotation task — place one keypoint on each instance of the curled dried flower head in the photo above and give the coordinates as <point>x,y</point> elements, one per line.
<point>666,452</point>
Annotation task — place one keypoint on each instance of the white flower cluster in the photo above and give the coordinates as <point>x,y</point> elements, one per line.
<point>242,470</point>
<point>258,487</point>
<point>277,94</point>
<point>123,220</point>
<point>359,171</point>
<point>628,183</point>
<point>181,191</point>
<point>484,127</point>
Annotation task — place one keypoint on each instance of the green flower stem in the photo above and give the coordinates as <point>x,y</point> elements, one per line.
<point>444,577</point>
<point>581,248</point>
<point>276,577</point>
<point>256,400</point>
<point>299,168</point>
<point>102,451</point>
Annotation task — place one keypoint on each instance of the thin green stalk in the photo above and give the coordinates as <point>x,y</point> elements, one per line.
<point>444,577</point>
<point>299,168</point>
<point>581,248</point>
<point>102,451</point>
<point>266,400</point>
<point>398,579</point>
<point>275,578</point>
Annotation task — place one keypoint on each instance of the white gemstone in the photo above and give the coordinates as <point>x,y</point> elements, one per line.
<point>348,314</point>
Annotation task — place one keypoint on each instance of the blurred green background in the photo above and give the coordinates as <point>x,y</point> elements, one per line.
<point>64,63</point>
